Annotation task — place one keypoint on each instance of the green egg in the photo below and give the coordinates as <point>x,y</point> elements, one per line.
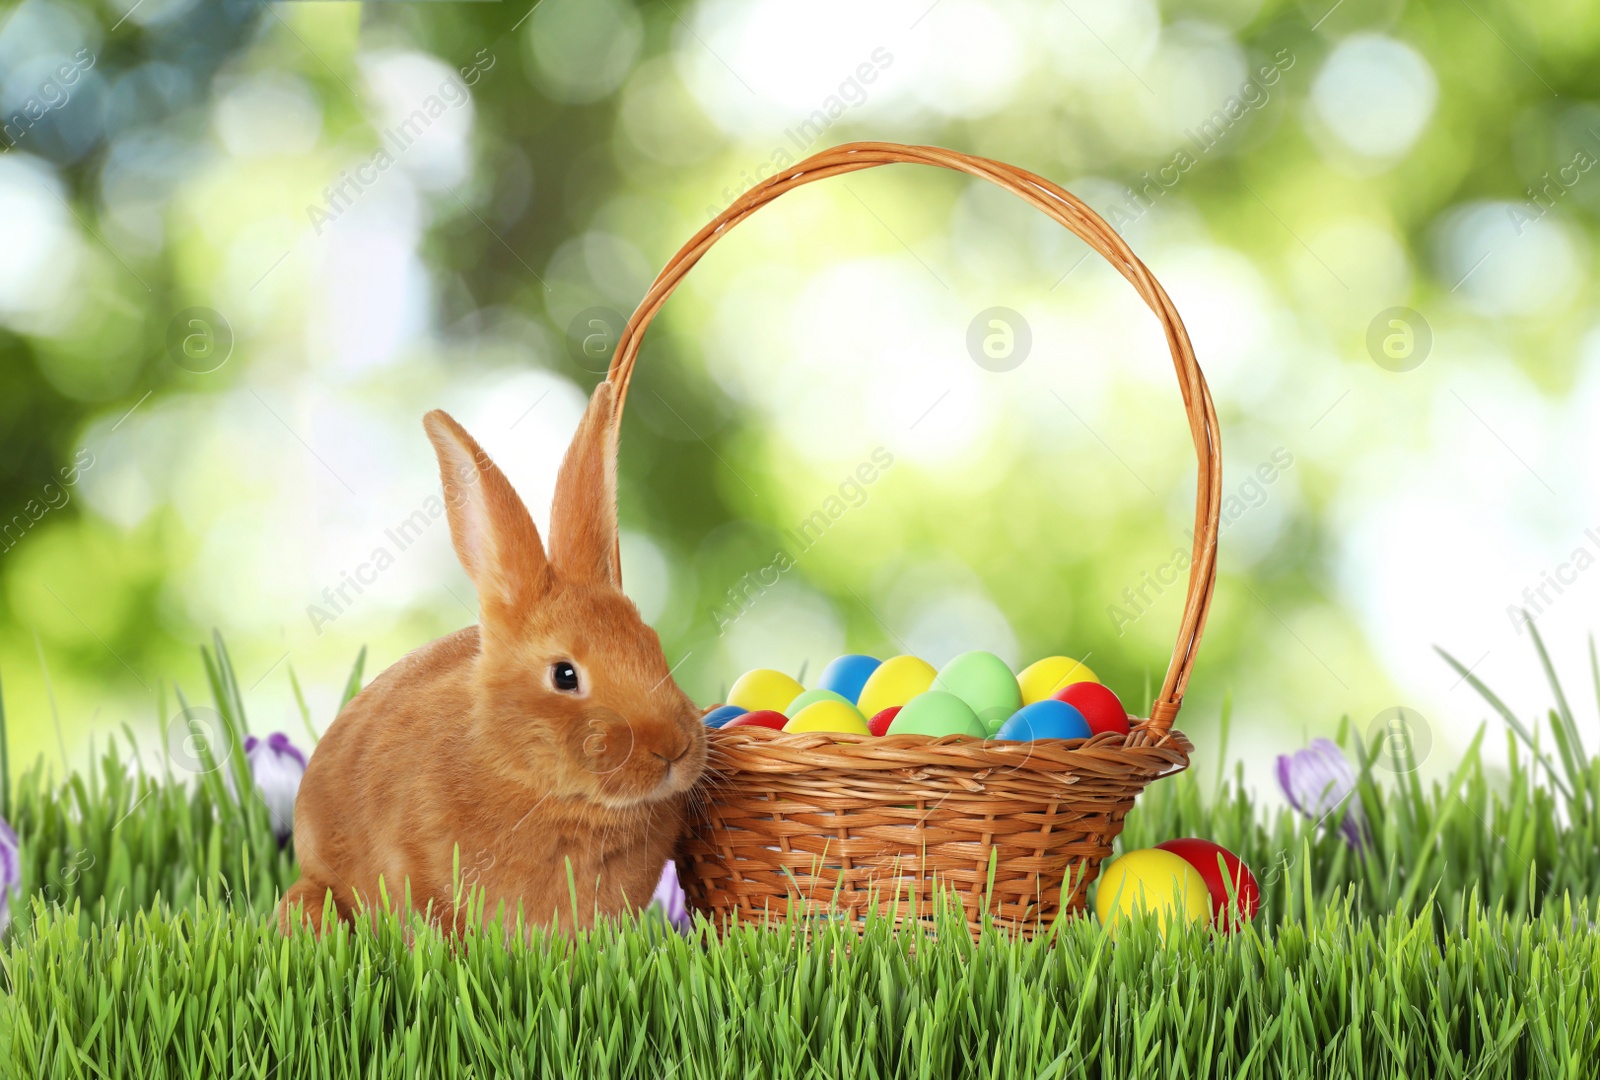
<point>811,697</point>
<point>985,683</point>
<point>935,712</point>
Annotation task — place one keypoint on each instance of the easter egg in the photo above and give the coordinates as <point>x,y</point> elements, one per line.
<point>827,715</point>
<point>764,689</point>
<point>848,674</point>
<point>1154,881</point>
<point>895,682</point>
<point>983,681</point>
<point>1047,719</point>
<point>1098,705</point>
<point>722,714</point>
<point>1043,678</point>
<point>936,712</point>
<point>811,697</point>
<point>879,724</point>
<point>1235,896</point>
<point>767,718</point>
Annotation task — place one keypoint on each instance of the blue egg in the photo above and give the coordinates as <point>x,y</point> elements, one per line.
<point>722,714</point>
<point>1047,719</point>
<point>847,675</point>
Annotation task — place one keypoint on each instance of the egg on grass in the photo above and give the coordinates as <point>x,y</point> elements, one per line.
<point>1155,881</point>
<point>1235,896</point>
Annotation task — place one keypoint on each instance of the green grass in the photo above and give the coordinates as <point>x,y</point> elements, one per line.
<point>122,839</point>
<point>1457,944</point>
<point>217,992</point>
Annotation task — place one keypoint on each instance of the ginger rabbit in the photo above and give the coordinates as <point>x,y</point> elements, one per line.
<point>549,735</point>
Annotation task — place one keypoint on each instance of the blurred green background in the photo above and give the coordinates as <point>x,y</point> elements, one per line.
<point>246,246</point>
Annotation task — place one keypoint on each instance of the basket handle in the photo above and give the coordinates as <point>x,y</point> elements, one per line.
<point>1093,230</point>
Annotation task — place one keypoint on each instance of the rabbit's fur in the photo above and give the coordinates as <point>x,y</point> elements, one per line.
<point>468,745</point>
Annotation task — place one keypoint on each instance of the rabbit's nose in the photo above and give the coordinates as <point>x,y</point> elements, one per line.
<point>673,751</point>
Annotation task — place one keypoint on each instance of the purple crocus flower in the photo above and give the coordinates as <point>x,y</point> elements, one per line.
<point>669,898</point>
<point>10,871</point>
<point>277,765</point>
<point>1320,782</point>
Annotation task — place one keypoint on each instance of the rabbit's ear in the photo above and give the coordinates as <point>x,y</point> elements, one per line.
<point>583,514</point>
<point>494,537</point>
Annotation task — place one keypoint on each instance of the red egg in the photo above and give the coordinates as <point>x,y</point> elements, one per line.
<point>879,725</point>
<point>1098,705</point>
<point>766,718</point>
<point>1246,894</point>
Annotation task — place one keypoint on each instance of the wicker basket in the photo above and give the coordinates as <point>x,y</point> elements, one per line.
<point>838,825</point>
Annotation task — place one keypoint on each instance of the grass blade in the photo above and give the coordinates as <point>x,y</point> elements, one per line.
<point>352,685</point>
<point>1510,718</point>
<point>305,710</point>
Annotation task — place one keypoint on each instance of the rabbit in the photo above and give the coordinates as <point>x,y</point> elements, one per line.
<point>550,735</point>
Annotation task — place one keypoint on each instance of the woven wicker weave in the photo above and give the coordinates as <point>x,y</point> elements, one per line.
<point>840,824</point>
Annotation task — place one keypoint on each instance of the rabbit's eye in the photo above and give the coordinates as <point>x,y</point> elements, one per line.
<point>564,675</point>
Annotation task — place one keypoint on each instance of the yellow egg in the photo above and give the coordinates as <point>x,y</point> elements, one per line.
<point>1151,880</point>
<point>1043,678</point>
<point>838,716</point>
<point>764,689</point>
<point>895,682</point>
